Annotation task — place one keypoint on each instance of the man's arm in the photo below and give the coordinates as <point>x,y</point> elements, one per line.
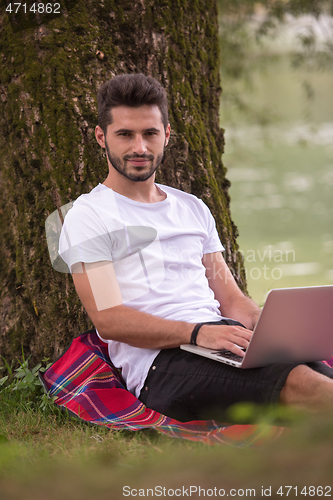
<point>98,289</point>
<point>233,303</point>
<point>99,292</point>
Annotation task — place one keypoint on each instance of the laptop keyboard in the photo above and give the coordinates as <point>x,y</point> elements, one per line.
<point>224,353</point>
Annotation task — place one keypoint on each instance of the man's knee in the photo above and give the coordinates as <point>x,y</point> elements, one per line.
<point>305,388</point>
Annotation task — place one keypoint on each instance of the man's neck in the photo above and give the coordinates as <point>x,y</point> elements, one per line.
<point>144,192</point>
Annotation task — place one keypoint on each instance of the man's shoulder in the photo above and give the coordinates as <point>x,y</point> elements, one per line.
<point>180,195</point>
<point>90,197</point>
<point>96,207</point>
<point>95,200</point>
<point>187,201</point>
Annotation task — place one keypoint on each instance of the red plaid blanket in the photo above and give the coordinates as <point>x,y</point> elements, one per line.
<point>86,383</point>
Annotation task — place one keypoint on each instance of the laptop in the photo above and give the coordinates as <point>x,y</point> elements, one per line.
<point>295,325</point>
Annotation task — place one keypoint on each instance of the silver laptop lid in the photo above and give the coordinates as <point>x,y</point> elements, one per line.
<point>296,324</point>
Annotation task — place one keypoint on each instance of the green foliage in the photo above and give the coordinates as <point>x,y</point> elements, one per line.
<point>248,30</point>
<point>22,388</point>
<point>265,416</point>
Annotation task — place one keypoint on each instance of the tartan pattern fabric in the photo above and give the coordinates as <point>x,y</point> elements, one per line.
<point>85,382</point>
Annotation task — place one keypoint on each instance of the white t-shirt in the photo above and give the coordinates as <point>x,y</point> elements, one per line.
<point>156,250</point>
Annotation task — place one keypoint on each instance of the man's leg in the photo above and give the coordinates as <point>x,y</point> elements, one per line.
<point>185,386</point>
<point>307,389</point>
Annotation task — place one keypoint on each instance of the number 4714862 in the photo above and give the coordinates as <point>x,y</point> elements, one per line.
<point>41,8</point>
<point>311,491</point>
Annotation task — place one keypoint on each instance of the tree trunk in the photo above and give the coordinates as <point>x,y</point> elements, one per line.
<point>49,77</point>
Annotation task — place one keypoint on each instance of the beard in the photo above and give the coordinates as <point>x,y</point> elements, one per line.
<point>121,165</point>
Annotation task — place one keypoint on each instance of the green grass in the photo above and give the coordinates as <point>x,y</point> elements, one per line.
<point>47,458</point>
<point>46,454</point>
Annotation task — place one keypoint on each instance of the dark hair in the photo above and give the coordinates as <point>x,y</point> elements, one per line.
<point>132,90</point>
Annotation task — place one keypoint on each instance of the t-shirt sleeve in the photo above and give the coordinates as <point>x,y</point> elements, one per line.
<point>212,242</point>
<point>84,238</point>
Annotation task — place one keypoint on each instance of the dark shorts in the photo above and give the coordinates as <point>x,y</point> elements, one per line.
<point>186,386</point>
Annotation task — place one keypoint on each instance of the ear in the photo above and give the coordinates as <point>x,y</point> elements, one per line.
<point>100,137</point>
<point>167,134</point>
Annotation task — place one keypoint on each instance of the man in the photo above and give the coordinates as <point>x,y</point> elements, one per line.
<point>147,264</point>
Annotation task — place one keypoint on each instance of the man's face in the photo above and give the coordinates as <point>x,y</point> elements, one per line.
<point>135,141</point>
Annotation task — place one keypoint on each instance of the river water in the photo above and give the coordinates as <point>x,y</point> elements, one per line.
<point>282,180</point>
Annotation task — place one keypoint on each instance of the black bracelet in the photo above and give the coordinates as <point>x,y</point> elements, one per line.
<point>195,333</point>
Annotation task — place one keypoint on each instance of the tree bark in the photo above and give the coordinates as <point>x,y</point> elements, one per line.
<point>49,75</point>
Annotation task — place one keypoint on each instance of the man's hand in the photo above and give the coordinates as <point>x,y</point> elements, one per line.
<point>231,337</point>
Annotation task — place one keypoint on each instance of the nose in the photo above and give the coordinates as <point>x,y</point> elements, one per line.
<point>139,145</point>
